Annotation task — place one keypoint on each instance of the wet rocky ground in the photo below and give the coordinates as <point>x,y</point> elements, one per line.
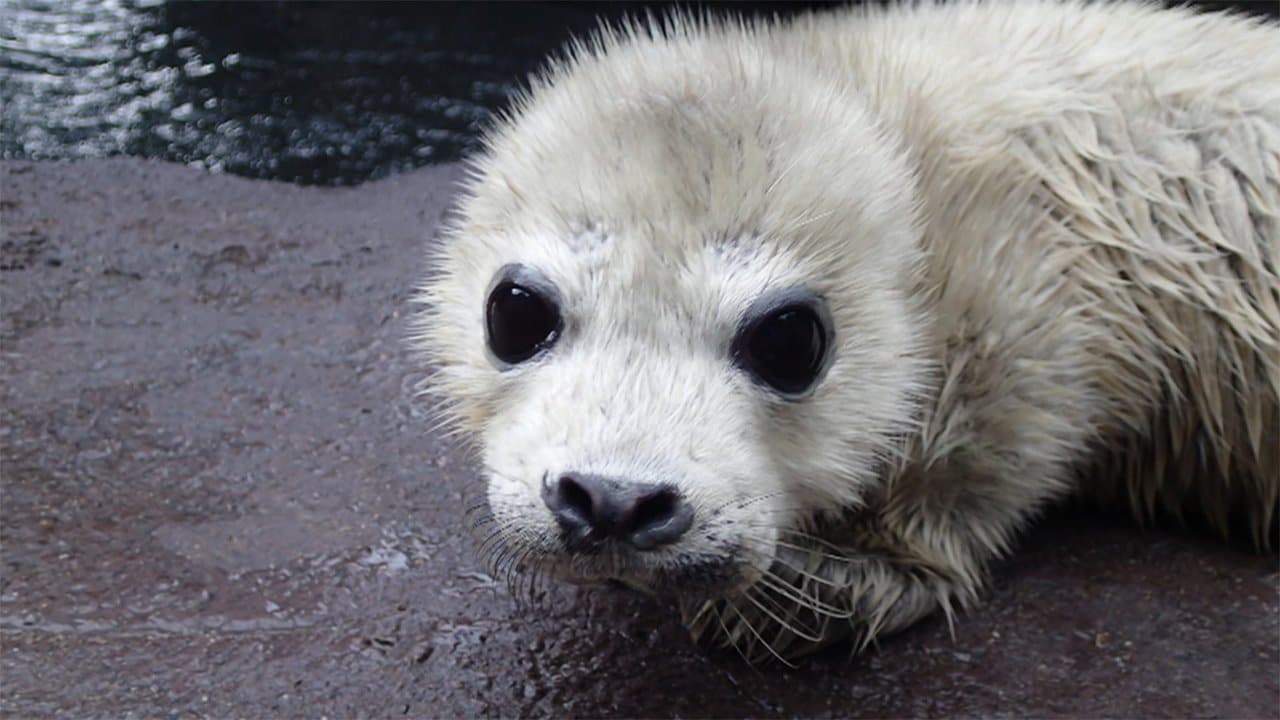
<point>220,498</point>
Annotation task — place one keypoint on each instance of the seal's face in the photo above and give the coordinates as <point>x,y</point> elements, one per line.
<point>635,436</point>
<point>676,333</point>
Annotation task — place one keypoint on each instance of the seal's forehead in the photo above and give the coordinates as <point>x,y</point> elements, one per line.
<point>713,275</point>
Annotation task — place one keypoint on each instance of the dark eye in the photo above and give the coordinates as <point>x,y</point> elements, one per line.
<point>785,349</point>
<point>520,321</point>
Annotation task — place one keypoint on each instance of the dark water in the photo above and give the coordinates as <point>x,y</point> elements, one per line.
<point>328,93</point>
<point>315,93</point>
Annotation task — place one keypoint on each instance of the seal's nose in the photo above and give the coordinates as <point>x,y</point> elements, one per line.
<point>590,509</point>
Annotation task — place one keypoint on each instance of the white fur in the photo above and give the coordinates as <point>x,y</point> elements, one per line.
<point>1047,235</point>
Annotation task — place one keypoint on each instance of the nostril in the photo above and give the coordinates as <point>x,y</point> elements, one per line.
<point>581,507</point>
<point>654,510</point>
<point>575,498</point>
<point>659,516</point>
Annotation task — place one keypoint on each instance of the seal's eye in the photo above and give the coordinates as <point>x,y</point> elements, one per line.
<point>520,321</point>
<point>785,348</point>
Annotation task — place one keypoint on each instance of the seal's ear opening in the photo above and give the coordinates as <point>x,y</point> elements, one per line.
<point>785,342</point>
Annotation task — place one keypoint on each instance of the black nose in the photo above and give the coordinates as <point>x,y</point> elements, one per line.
<point>591,509</point>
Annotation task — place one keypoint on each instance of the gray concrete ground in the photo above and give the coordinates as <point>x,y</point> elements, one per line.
<point>220,499</point>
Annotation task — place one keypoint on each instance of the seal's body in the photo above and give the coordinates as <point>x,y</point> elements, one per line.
<point>801,322</point>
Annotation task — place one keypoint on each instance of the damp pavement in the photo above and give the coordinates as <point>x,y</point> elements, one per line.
<point>220,498</point>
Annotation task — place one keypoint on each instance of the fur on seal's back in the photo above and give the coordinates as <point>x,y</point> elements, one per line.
<point>1093,274</point>
<point>1119,165</point>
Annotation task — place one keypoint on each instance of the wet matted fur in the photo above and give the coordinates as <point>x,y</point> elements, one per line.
<point>1047,237</point>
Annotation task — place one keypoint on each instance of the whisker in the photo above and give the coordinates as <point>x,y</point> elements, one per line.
<point>751,628</point>
<point>729,641</point>
<point>811,636</point>
<point>809,602</point>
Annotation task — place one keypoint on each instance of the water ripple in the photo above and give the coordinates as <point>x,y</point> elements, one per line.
<point>329,93</point>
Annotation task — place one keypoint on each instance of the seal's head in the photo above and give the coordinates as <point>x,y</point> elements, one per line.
<point>674,312</point>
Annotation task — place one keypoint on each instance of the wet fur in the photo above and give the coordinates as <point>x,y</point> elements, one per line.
<point>1048,233</point>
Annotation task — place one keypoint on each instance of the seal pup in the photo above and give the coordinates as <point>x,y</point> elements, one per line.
<point>799,323</point>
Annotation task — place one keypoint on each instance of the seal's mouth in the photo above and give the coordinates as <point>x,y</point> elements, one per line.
<point>680,575</point>
<point>722,575</point>
<point>599,533</point>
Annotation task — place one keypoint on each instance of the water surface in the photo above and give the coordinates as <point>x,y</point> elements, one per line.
<point>310,92</point>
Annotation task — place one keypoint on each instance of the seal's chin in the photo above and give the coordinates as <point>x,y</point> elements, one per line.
<point>674,577</point>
